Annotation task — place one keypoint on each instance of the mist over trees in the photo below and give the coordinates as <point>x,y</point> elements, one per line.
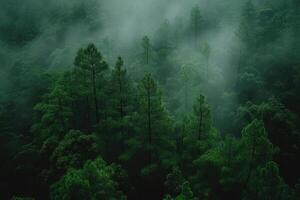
<point>140,99</point>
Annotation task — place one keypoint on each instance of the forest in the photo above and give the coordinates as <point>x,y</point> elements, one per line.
<point>150,100</point>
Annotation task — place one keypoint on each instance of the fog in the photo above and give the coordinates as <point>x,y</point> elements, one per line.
<point>48,34</point>
<point>156,99</point>
<point>124,22</point>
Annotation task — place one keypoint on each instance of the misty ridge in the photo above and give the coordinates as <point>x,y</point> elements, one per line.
<point>49,34</point>
<point>150,99</point>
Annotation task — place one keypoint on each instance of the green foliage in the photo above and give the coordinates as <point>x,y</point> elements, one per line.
<point>90,59</point>
<point>120,90</point>
<point>196,22</point>
<point>152,139</point>
<point>208,168</point>
<point>22,198</point>
<point>198,134</point>
<point>55,112</point>
<point>242,157</point>
<point>201,118</point>
<point>74,150</point>
<point>231,162</point>
<point>147,48</point>
<point>93,181</point>
<point>115,129</point>
<point>267,184</point>
<point>91,62</point>
<point>186,193</point>
<point>246,32</point>
<point>174,181</point>
<point>55,121</point>
<point>259,148</point>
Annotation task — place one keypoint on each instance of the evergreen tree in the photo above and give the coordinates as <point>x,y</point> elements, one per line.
<point>55,121</point>
<point>152,141</point>
<point>120,106</point>
<point>91,61</point>
<point>146,47</point>
<point>201,118</point>
<point>242,157</point>
<point>231,161</point>
<point>186,193</point>
<point>73,151</point>
<point>199,136</point>
<point>95,180</point>
<point>174,182</point>
<point>185,74</point>
<point>154,118</point>
<point>120,91</point>
<point>259,149</point>
<point>267,184</point>
<point>248,25</point>
<point>55,113</point>
<point>196,20</point>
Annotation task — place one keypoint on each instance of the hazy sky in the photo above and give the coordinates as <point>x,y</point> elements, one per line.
<point>124,21</point>
<point>49,33</point>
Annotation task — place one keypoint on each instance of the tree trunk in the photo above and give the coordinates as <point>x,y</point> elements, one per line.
<point>88,115</point>
<point>121,112</point>
<point>200,124</point>
<point>121,107</point>
<point>149,124</point>
<point>147,55</point>
<point>95,95</point>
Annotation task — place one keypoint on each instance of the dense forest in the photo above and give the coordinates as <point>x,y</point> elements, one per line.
<point>150,100</point>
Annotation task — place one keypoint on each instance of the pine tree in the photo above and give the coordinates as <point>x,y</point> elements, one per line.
<point>120,106</point>
<point>185,75</point>
<point>174,181</point>
<point>91,61</point>
<point>120,88</point>
<point>202,117</point>
<point>151,142</point>
<point>150,107</point>
<point>146,46</point>
<point>55,113</point>
<point>73,150</point>
<point>95,180</point>
<point>259,149</point>
<point>248,25</point>
<point>196,20</point>
<point>267,184</point>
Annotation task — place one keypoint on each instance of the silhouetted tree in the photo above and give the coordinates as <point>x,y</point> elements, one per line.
<point>90,60</point>
<point>196,20</point>
<point>146,46</point>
